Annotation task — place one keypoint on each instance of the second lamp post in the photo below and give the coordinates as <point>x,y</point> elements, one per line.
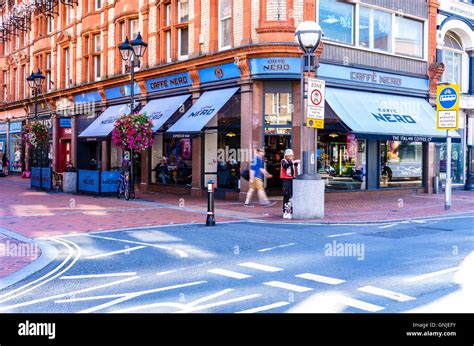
<point>132,51</point>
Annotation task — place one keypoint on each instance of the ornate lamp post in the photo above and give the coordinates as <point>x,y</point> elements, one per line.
<point>132,51</point>
<point>35,82</point>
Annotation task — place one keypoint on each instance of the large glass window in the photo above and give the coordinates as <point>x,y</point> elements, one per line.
<point>374,29</point>
<point>15,153</point>
<point>225,21</point>
<point>337,21</point>
<point>408,37</point>
<point>172,160</point>
<point>457,162</point>
<point>401,164</point>
<point>452,59</point>
<point>278,112</point>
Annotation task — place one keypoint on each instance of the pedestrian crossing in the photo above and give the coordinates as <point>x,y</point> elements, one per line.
<point>302,284</point>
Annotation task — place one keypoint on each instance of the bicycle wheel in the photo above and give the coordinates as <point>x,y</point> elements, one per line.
<point>127,193</point>
<point>119,190</point>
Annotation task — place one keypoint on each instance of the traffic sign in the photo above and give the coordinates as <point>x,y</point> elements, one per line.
<point>447,107</point>
<point>315,102</point>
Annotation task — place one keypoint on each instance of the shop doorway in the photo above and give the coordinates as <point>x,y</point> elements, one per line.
<point>64,154</point>
<point>275,146</point>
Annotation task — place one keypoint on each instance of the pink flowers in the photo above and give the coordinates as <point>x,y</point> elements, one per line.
<point>133,131</point>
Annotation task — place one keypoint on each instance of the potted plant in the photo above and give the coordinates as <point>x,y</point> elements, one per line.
<point>133,132</point>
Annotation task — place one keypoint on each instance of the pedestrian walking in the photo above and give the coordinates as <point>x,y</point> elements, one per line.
<point>288,172</point>
<point>256,174</point>
<point>5,163</point>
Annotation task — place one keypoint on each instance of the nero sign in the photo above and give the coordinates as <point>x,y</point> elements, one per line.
<point>203,111</point>
<point>394,118</point>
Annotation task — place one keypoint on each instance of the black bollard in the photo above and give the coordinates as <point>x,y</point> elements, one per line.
<point>210,220</point>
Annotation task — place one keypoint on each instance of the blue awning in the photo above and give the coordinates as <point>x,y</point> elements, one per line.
<point>159,111</point>
<point>202,111</point>
<point>104,124</point>
<point>385,116</point>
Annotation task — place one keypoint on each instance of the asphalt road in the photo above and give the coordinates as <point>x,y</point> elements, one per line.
<point>418,265</point>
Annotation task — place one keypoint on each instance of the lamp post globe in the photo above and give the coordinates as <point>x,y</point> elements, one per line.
<point>31,80</point>
<point>39,79</point>
<point>138,46</point>
<point>309,36</point>
<point>126,50</point>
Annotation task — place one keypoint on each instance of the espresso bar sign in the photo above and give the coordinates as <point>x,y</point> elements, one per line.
<point>374,77</point>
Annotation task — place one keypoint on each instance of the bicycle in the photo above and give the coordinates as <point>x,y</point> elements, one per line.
<point>123,188</point>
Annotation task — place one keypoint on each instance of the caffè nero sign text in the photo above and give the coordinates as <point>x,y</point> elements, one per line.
<point>374,77</point>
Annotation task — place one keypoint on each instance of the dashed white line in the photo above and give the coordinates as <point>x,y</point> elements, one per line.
<point>340,235</point>
<point>431,275</point>
<point>91,276</point>
<point>399,297</point>
<point>229,273</point>
<point>320,278</point>
<point>263,308</point>
<point>388,226</point>
<point>276,247</point>
<point>116,252</point>
<point>210,297</point>
<point>359,304</point>
<point>223,302</point>
<point>259,266</point>
<point>288,286</point>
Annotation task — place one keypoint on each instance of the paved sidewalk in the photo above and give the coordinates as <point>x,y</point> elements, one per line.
<point>37,214</point>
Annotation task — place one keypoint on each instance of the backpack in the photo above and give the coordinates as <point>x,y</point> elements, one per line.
<point>245,174</point>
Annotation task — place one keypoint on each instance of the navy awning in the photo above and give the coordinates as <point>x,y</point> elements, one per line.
<point>104,124</point>
<point>202,111</point>
<point>385,116</point>
<point>159,111</point>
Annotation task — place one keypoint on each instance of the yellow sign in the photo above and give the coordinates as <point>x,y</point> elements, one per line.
<point>315,123</point>
<point>447,107</point>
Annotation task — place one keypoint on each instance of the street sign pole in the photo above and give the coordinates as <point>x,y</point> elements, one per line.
<point>447,197</point>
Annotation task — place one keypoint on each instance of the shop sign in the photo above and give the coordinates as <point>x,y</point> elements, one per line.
<point>121,91</point>
<point>15,127</point>
<point>88,181</point>
<point>315,102</point>
<point>109,181</point>
<point>411,138</point>
<point>447,107</point>
<point>92,96</point>
<point>64,122</point>
<point>168,82</point>
<point>3,128</point>
<point>276,65</point>
<point>217,73</point>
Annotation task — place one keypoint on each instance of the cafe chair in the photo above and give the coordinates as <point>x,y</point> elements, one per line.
<point>57,181</point>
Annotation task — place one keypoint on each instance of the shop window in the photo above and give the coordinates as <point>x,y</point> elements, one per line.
<point>457,162</point>
<point>374,29</point>
<point>172,160</point>
<point>15,153</point>
<point>401,164</point>
<point>337,20</point>
<point>408,37</point>
<point>278,111</point>
<point>225,24</point>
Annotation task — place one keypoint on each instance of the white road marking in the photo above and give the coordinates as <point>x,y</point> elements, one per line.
<point>91,276</point>
<point>224,302</point>
<point>388,226</point>
<point>431,275</point>
<point>116,252</point>
<point>181,253</point>
<point>210,297</point>
<point>263,308</point>
<point>149,306</point>
<point>40,300</point>
<point>132,295</point>
<point>288,286</point>
<point>320,278</point>
<point>229,273</point>
<point>359,304</point>
<point>399,297</point>
<point>167,272</point>
<point>276,247</point>
<point>259,266</point>
<point>84,299</point>
<point>340,235</point>
<point>76,258</point>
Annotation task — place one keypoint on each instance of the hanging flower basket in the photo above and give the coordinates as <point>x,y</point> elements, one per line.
<point>35,134</point>
<point>133,132</point>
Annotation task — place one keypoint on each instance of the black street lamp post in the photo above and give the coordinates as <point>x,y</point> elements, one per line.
<point>133,51</point>
<point>35,82</point>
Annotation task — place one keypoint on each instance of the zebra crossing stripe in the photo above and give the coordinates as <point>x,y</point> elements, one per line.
<point>262,267</point>
<point>229,273</point>
<point>287,286</point>
<point>263,308</point>
<point>359,304</point>
<point>320,278</point>
<point>399,297</point>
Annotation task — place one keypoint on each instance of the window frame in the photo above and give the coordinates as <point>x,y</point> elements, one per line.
<point>180,56</point>
<point>48,67</point>
<point>220,28</point>
<point>180,21</point>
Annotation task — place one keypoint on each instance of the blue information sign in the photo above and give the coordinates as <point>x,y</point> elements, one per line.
<point>88,181</point>
<point>448,98</point>
<point>109,181</point>
<point>65,122</point>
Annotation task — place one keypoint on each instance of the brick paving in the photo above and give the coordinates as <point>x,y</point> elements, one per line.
<point>37,214</point>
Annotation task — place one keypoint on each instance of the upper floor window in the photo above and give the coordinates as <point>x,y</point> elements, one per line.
<point>225,24</point>
<point>96,54</point>
<point>408,37</point>
<point>183,11</point>
<point>183,43</point>
<point>168,14</point>
<point>133,28</point>
<point>337,21</point>
<point>5,83</point>
<point>67,69</point>
<point>374,29</point>
<point>98,4</point>
<point>452,58</point>
<point>168,46</point>
<point>50,24</point>
<point>48,72</point>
